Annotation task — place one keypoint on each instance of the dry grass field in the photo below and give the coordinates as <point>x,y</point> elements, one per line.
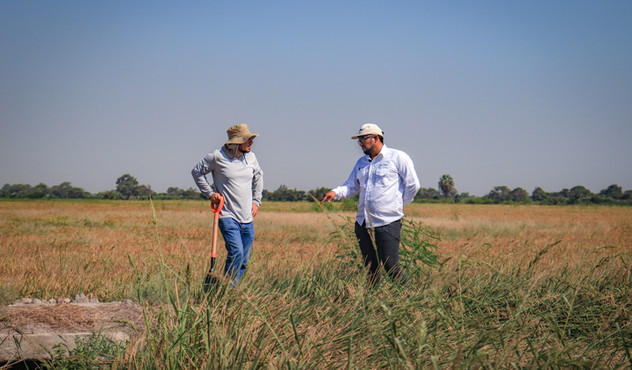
<point>525,286</point>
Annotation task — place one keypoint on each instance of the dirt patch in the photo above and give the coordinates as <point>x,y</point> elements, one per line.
<point>29,331</point>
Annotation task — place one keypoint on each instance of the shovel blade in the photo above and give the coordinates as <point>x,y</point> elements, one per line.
<point>210,280</point>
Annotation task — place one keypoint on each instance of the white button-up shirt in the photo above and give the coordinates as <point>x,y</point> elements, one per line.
<point>385,184</point>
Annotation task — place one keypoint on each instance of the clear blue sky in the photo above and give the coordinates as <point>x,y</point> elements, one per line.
<point>515,93</point>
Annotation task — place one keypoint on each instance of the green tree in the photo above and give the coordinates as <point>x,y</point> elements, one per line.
<point>465,195</point>
<point>446,184</point>
<point>145,191</point>
<point>174,191</point>
<point>18,190</point>
<point>66,191</point>
<point>40,190</point>
<point>613,191</point>
<point>109,194</point>
<point>284,194</point>
<point>518,195</point>
<point>192,193</point>
<point>500,194</point>
<point>428,193</point>
<point>127,186</point>
<point>538,194</point>
<point>577,194</point>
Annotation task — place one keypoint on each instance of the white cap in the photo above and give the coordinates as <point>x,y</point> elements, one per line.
<point>369,129</point>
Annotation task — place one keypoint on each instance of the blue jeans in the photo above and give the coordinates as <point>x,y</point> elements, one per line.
<point>238,239</point>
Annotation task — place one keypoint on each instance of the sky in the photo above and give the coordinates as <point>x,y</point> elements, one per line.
<point>493,93</point>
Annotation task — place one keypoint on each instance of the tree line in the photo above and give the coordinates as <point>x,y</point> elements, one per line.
<point>579,194</point>
<point>128,188</point>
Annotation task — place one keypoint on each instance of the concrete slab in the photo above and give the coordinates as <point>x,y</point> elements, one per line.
<point>30,331</point>
<point>20,347</point>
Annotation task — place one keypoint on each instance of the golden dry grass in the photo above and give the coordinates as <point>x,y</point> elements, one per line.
<point>517,233</point>
<point>519,285</point>
<point>59,248</point>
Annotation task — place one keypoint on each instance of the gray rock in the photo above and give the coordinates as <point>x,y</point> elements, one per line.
<point>37,301</point>
<point>81,298</point>
<point>94,300</point>
<point>27,301</point>
<point>52,301</point>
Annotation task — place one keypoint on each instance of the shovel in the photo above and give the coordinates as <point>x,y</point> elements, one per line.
<point>210,280</point>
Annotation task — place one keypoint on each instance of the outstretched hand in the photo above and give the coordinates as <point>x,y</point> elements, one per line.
<point>329,196</point>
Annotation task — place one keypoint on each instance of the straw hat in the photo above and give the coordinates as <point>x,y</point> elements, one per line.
<point>369,129</point>
<point>239,134</point>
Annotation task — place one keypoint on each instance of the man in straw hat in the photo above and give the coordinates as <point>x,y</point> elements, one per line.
<point>239,180</point>
<point>385,178</point>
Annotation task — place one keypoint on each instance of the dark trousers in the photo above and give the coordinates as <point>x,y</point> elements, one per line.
<point>387,239</point>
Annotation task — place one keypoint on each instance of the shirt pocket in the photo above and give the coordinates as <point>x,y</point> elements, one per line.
<point>381,172</point>
<point>385,175</point>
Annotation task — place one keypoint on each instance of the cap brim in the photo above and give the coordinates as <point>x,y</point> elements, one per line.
<point>363,135</point>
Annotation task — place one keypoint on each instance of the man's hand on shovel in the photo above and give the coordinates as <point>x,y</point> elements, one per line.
<point>216,198</point>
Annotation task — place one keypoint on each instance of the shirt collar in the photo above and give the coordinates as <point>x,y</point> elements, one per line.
<point>229,153</point>
<point>382,152</point>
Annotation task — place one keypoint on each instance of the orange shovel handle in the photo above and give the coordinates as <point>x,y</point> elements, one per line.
<point>217,208</point>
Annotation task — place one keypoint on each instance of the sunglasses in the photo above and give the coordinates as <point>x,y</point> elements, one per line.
<point>362,139</point>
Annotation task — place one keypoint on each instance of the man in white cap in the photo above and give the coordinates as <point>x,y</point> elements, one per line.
<point>239,180</point>
<point>385,178</point>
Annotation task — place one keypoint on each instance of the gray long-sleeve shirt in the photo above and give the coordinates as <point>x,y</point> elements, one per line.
<point>239,180</point>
